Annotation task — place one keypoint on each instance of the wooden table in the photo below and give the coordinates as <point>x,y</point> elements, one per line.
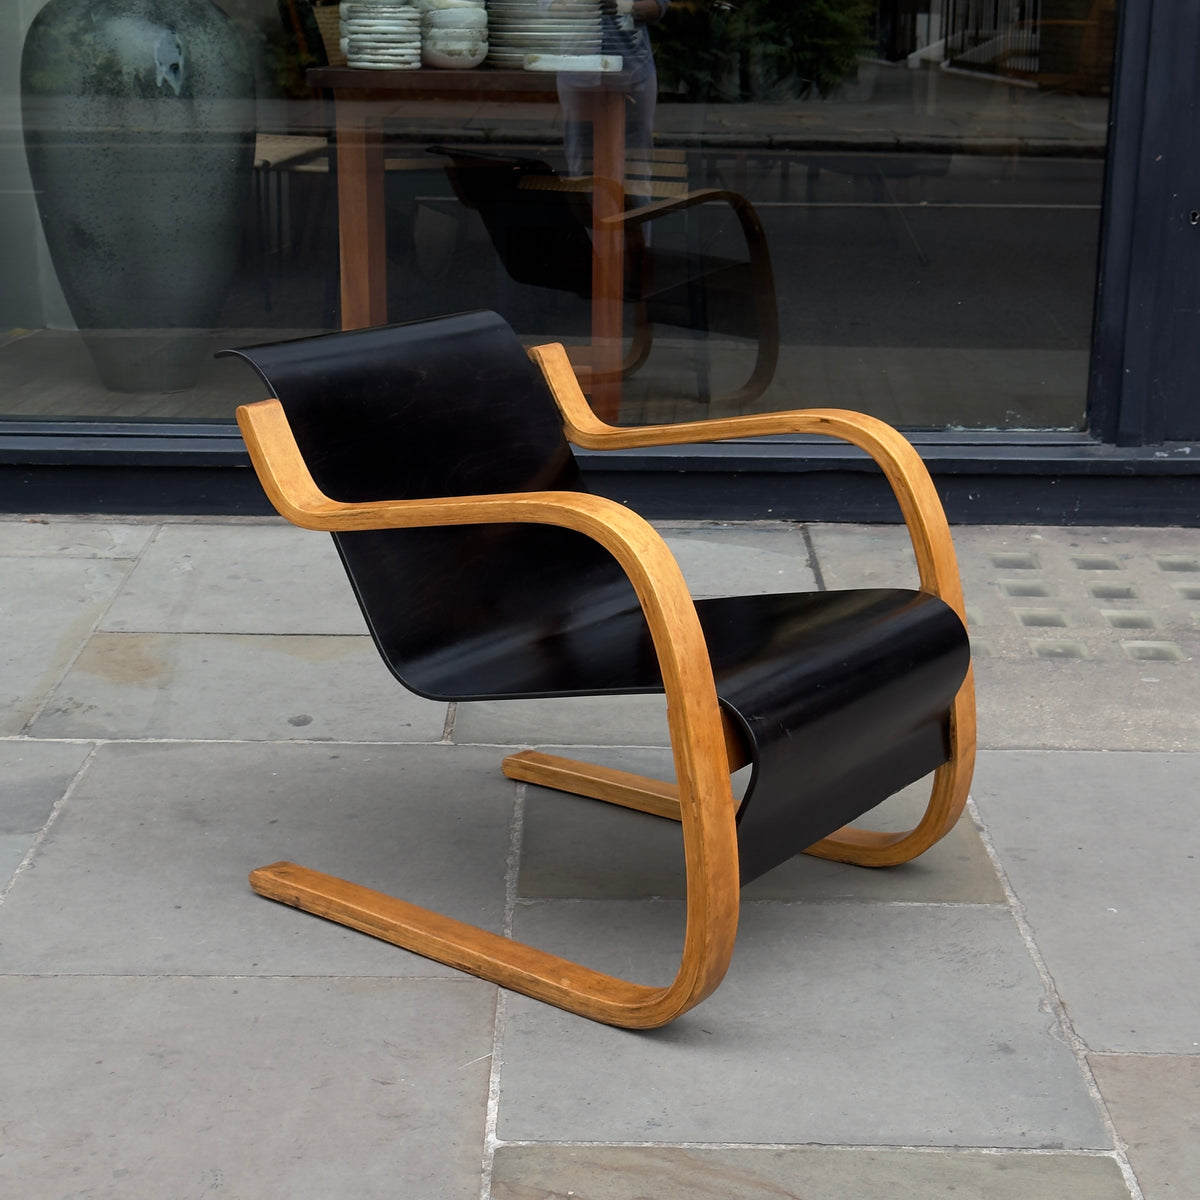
<point>364,100</point>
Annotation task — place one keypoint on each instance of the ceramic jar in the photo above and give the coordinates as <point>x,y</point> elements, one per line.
<point>139,130</point>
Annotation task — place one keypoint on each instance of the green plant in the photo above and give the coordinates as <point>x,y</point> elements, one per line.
<point>730,50</point>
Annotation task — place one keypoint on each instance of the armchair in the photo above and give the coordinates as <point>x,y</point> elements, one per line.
<point>539,223</point>
<point>438,455</point>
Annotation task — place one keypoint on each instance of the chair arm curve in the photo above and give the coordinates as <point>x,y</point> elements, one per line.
<point>761,274</point>
<point>294,493</point>
<point>906,474</point>
<point>706,802</point>
<point>661,208</point>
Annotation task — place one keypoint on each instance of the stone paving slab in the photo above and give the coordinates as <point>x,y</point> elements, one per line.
<point>47,611</point>
<point>1154,1101</point>
<point>1113,595</point>
<point>33,778</point>
<point>44,537</point>
<point>869,1010</point>
<point>144,870</point>
<point>583,849</point>
<point>1121,596</point>
<point>236,686</point>
<point>797,1173</point>
<point>1074,705</point>
<point>247,578</point>
<point>276,1089</point>
<point>848,556</point>
<point>590,720</point>
<point>845,1024</point>
<point>1101,850</point>
<point>748,559</point>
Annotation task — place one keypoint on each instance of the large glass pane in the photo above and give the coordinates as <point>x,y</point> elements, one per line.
<point>903,218</point>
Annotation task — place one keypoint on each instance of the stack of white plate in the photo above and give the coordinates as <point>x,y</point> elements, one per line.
<point>517,28</point>
<point>381,36</point>
<point>453,35</point>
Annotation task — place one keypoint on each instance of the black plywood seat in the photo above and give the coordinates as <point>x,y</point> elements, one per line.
<point>841,697</point>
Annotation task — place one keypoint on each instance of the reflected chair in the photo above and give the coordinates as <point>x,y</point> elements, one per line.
<point>438,454</point>
<point>540,225</point>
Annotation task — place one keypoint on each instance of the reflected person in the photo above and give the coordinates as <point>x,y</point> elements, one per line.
<point>623,24</point>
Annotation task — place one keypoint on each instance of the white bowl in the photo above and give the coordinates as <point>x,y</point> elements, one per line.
<point>360,9</point>
<point>454,58</point>
<point>455,18</point>
<point>454,37</point>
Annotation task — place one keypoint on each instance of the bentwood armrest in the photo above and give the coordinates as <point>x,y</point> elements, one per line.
<point>895,455</point>
<point>759,278</point>
<point>928,531</point>
<point>661,208</point>
<point>291,488</point>
<point>634,543</point>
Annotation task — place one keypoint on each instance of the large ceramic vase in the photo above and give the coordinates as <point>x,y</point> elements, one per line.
<point>139,130</point>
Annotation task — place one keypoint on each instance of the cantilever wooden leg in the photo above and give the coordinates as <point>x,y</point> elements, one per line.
<point>705,800</point>
<point>597,783</point>
<point>871,848</point>
<point>654,796</point>
<point>512,964</point>
<point>710,850</point>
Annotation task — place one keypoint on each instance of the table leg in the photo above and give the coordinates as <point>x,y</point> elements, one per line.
<point>362,231</point>
<point>608,249</point>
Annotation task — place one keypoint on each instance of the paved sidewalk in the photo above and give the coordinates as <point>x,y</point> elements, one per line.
<point>1012,1017</point>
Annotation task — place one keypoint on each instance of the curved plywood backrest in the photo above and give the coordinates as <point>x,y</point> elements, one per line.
<point>448,407</point>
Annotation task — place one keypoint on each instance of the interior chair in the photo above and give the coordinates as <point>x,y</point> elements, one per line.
<point>540,224</point>
<point>439,455</point>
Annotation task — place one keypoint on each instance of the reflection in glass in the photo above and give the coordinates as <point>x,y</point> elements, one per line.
<point>927,174</point>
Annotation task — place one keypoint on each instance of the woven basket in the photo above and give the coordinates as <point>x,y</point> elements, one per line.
<point>329,23</point>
